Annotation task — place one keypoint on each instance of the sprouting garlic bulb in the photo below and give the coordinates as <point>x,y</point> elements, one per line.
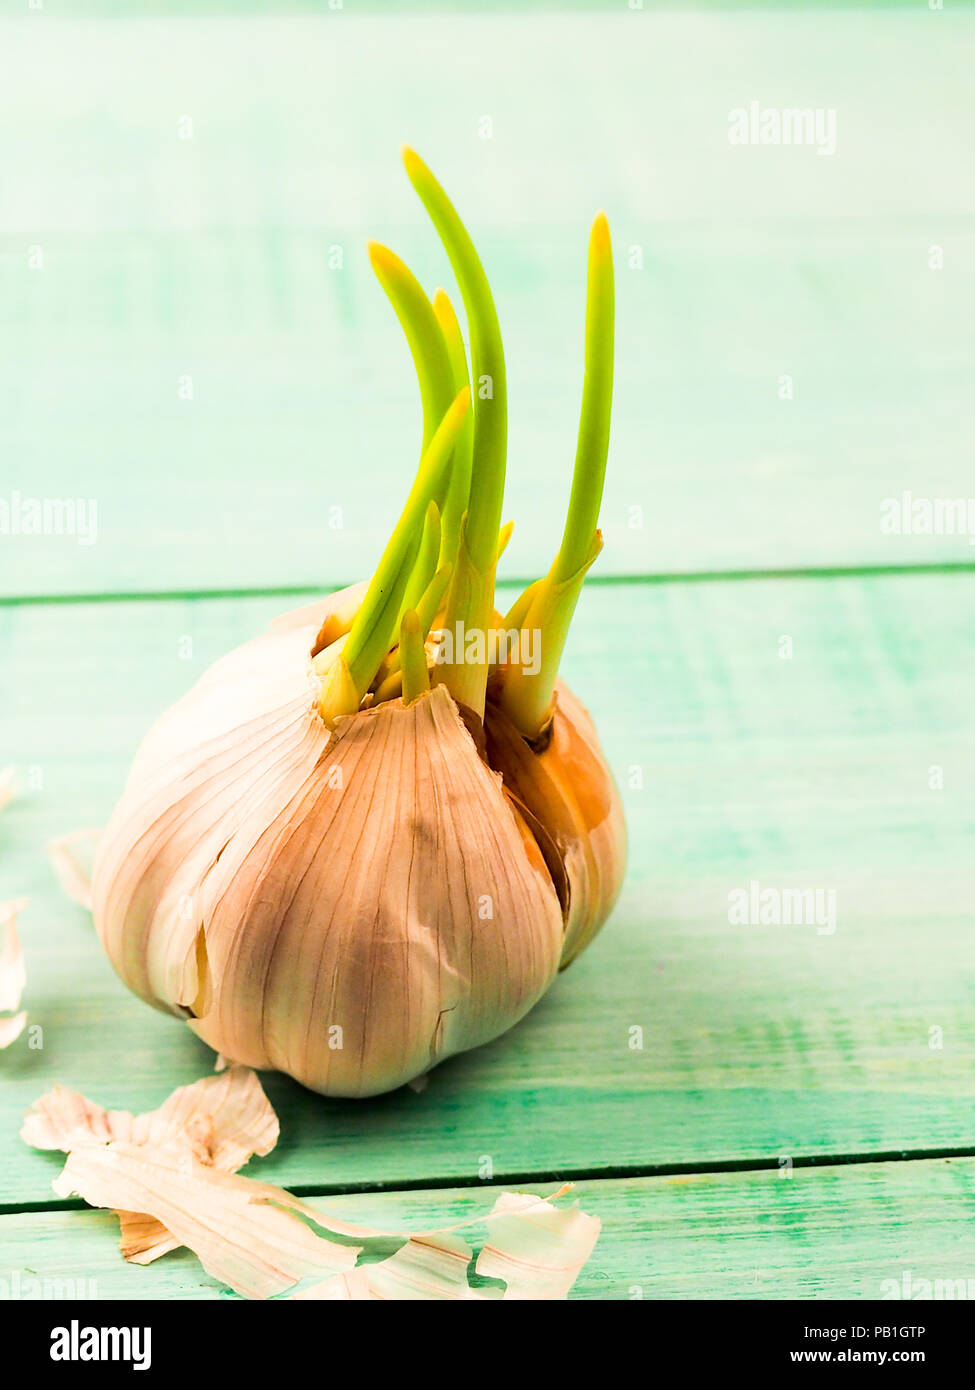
<point>348,906</point>
<point>364,842</point>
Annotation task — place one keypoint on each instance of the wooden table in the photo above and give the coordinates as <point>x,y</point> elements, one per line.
<point>784,688</point>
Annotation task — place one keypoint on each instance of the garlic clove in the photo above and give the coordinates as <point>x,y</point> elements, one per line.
<point>242,740</point>
<point>567,786</point>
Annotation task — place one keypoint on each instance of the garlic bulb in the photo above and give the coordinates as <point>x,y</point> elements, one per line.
<point>346,853</point>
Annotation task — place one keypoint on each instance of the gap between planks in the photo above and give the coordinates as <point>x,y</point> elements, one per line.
<point>612,1173</point>
<point>515,582</point>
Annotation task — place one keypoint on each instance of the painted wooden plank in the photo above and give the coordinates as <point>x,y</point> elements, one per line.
<point>137,266</point>
<point>860,1231</point>
<point>847,768</point>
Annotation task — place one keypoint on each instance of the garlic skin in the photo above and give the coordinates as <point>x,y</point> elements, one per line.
<point>346,907</point>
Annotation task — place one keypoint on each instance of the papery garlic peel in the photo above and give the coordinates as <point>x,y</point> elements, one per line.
<point>329,863</point>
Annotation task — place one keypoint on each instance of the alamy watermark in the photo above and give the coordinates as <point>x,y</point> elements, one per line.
<point>498,646</point>
<point>755,124</point>
<point>17,1287</point>
<point>756,906</point>
<point>908,515</point>
<point>914,1288</point>
<point>77,1343</point>
<point>49,516</point>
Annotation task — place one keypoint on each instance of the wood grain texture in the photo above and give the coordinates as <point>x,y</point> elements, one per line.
<point>209,258</point>
<point>735,765</point>
<point>851,1231</point>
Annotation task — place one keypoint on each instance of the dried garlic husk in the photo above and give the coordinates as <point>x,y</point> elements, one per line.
<point>13,975</point>
<point>234,1225</point>
<point>263,1242</point>
<point>72,857</point>
<point>220,1122</point>
<point>357,847</point>
<point>534,1247</point>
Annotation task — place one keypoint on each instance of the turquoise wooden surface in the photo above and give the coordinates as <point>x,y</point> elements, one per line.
<point>846,766</point>
<point>209,258</point>
<point>757,1041</point>
<point>860,1231</point>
